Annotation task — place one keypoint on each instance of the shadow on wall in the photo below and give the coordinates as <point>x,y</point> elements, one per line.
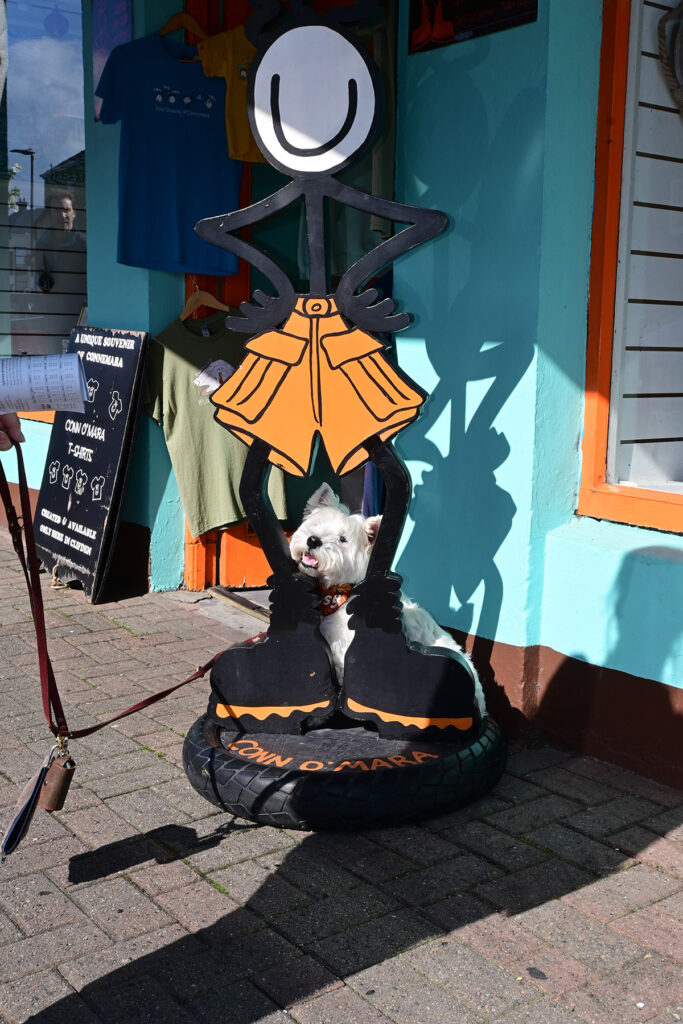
<point>606,712</point>
<point>480,340</point>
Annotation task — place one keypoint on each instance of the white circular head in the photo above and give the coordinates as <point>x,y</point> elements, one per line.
<point>314,102</point>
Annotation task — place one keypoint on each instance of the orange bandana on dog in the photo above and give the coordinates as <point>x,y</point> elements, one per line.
<point>332,598</point>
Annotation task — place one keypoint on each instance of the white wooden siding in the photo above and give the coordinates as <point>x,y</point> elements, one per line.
<point>645,445</point>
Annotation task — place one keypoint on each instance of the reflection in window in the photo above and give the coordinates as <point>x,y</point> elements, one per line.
<point>42,176</point>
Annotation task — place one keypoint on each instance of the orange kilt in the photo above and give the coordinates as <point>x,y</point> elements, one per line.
<point>316,376</point>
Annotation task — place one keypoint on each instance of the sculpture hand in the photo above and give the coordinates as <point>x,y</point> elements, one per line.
<point>363,310</point>
<point>264,312</point>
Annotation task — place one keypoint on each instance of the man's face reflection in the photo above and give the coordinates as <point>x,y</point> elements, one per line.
<point>64,214</point>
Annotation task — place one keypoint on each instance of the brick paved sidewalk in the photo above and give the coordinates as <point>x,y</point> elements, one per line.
<point>556,899</point>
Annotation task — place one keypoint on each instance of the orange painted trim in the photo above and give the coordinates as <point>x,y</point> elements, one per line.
<point>261,712</point>
<point>417,721</point>
<point>640,507</point>
<point>43,417</point>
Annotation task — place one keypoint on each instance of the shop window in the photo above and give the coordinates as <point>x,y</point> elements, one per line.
<point>633,442</point>
<point>42,163</point>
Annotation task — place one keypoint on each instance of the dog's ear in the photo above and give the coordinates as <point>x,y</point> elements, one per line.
<point>324,497</point>
<point>372,526</point>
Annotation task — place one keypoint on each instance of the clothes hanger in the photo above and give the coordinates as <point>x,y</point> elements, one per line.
<point>183,20</point>
<point>198,298</point>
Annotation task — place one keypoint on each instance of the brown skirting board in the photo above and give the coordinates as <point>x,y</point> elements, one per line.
<point>633,722</point>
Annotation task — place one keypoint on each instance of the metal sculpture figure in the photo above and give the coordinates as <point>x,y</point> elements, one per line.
<point>314,371</point>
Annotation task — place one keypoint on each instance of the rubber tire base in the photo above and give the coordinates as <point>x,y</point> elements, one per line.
<point>319,800</point>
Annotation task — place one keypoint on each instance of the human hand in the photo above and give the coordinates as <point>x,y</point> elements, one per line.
<point>10,430</point>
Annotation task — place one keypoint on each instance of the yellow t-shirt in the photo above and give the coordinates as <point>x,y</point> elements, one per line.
<point>229,55</point>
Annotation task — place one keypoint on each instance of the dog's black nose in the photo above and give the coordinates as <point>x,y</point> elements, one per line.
<point>314,542</point>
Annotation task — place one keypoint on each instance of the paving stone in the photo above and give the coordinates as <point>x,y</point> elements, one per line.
<point>477,810</point>
<point>420,888</point>
<point>35,904</point>
<point>673,905</point>
<point>416,844</point>
<point>333,914</point>
<point>121,909</point>
<point>531,886</point>
<point>338,1007</point>
<point>371,943</point>
<point>484,987</point>
<point>606,818</point>
<point>150,774</point>
<point>552,970</point>
<point>523,760</point>
<point>268,895</point>
<point>382,865</point>
<point>23,999</point>
<point>649,848</point>
<point>133,955</point>
<point>576,787</point>
<point>9,932</point>
<point>145,809</point>
<point>629,782</point>
<point>528,816</point>
<point>32,857</point>
<point>106,861</point>
<point>201,907</point>
<point>517,790</point>
<point>622,893</point>
<point>140,999</point>
<point>587,853</point>
<point>582,937</point>
<point>309,870</point>
<point>494,935</point>
<point>495,845</point>
<point>97,825</point>
<point>241,844</point>
<point>237,1004</point>
<point>163,878</point>
<point>408,997</point>
<point>668,824</point>
<point>61,943</point>
<point>541,1011</point>
<point>249,955</point>
<point>635,994</point>
<point>653,928</point>
<point>296,981</point>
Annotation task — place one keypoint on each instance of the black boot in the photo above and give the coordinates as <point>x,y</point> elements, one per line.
<point>408,691</point>
<point>282,683</point>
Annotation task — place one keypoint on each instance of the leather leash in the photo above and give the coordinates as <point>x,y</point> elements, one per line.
<point>21,531</point>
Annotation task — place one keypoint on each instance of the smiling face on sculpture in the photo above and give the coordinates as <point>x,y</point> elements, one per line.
<point>313,101</point>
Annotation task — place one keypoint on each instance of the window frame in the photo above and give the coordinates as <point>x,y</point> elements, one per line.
<point>661,510</point>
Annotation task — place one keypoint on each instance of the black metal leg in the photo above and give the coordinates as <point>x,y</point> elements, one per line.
<point>398,491</point>
<point>257,505</point>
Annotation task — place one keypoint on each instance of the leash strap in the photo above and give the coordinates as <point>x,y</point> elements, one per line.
<point>21,531</point>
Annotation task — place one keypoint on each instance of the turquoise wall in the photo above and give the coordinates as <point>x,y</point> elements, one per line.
<point>500,133</point>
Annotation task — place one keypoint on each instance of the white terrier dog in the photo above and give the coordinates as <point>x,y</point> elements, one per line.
<point>333,547</point>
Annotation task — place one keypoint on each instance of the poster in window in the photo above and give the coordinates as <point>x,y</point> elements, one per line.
<point>435,23</point>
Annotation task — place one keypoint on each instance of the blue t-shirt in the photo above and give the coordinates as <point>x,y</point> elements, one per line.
<point>174,166</point>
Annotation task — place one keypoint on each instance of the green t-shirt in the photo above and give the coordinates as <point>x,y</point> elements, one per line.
<point>187,362</point>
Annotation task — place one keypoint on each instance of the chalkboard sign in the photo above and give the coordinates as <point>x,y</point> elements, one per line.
<point>87,460</point>
<point>435,23</point>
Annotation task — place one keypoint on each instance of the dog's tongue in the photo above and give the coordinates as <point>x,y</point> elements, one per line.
<point>310,561</point>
